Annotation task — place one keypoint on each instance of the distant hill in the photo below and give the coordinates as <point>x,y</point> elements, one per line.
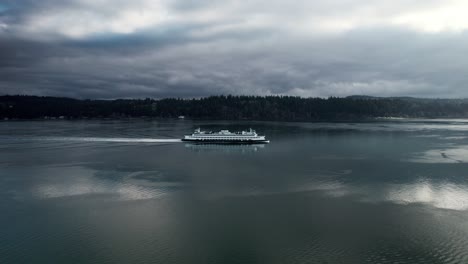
<point>380,98</point>
<point>280,108</point>
<point>362,97</point>
<point>394,97</point>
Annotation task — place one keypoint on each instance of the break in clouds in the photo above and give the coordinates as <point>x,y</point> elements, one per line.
<point>179,48</point>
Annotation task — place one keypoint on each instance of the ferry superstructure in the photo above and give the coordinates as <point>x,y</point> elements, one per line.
<point>226,137</point>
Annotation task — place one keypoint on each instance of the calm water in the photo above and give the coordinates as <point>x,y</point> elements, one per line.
<point>130,192</point>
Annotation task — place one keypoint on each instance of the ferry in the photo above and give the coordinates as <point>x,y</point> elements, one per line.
<point>226,137</point>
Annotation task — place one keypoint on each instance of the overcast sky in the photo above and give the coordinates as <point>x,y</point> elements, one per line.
<point>189,48</point>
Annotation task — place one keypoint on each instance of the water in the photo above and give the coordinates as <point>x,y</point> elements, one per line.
<point>394,191</point>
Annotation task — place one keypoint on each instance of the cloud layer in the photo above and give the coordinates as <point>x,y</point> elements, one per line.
<point>144,48</point>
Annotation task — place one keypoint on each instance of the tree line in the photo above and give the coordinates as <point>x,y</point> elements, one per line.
<point>268,108</point>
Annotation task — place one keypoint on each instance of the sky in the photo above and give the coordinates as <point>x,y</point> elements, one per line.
<point>105,49</point>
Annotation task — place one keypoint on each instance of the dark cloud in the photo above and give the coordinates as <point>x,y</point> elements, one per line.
<point>174,49</point>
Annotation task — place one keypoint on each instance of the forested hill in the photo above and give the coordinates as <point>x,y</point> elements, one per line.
<point>281,108</point>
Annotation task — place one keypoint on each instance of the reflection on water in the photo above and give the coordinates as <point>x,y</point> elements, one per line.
<point>224,148</point>
<point>444,195</point>
<point>439,195</point>
<point>457,154</point>
<point>120,185</point>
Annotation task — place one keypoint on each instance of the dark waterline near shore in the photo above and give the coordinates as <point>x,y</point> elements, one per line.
<point>129,191</point>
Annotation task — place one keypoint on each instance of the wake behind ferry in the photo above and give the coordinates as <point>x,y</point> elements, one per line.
<point>226,137</point>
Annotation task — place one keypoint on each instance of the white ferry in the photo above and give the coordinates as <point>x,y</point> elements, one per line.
<point>226,137</point>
